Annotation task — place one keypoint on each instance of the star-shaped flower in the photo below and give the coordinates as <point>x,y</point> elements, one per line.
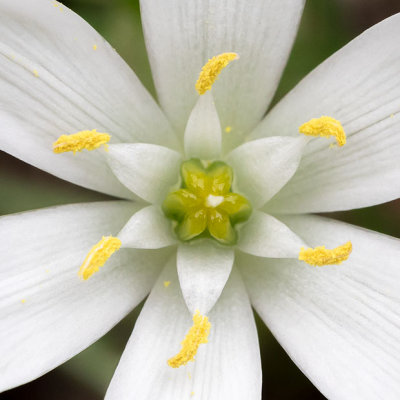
<point>216,195</point>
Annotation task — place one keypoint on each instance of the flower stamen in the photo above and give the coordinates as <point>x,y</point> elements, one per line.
<point>98,255</point>
<point>213,67</point>
<point>321,256</point>
<point>324,127</point>
<point>89,140</point>
<point>197,335</point>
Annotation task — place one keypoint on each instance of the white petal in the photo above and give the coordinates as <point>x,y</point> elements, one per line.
<point>203,269</point>
<point>265,236</point>
<point>262,167</point>
<point>149,228</point>
<point>341,323</point>
<point>147,170</point>
<point>53,81</point>
<point>360,86</point>
<point>47,314</point>
<point>203,130</point>
<point>181,36</point>
<point>227,367</point>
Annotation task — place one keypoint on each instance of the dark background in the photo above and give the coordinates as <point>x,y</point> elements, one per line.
<point>326,26</point>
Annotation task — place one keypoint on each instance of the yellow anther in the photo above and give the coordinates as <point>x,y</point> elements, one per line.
<point>228,129</point>
<point>167,283</point>
<point>324,127</point>
<point>197,335</point>
<point>36,73</point>
<point>95,47</point>
<point>209,73</point>
<point>321,256</point>
<point>98,255</point>
<point>89,140</point>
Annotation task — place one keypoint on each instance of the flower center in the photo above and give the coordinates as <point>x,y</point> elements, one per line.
<point>213,201</point>
<point>205,204</point>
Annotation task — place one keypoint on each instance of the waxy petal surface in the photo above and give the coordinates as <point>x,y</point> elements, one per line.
<point>181,36</point>
<point>47,313</point>
<point>148,228</point>
<point>359,86</point>
<point>59,76</point>
<point>340,323</point>
<point>203,269</point>
<point>228,366</point>
<point>148,170</point>
<point>265,236</point>
<point>262,167</point>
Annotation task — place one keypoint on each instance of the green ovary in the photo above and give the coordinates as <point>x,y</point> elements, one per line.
<point>205,203</point>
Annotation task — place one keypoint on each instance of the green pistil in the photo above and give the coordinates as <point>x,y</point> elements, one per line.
<point>205,203</point>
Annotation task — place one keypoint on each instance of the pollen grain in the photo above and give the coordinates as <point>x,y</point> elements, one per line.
<point>321,256</point>
<point>98,255</point>
<point>197,335</point>
<point>209,73</point>
<point>89,140</point>
<point>324,127</point>
<point>228,129</point>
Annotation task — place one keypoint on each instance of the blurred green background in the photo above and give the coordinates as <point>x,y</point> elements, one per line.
<point>326,26</point>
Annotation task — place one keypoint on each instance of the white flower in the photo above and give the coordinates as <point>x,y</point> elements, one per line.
<point>340,324</point>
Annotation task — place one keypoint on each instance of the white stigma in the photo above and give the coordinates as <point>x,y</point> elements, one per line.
<point>213,201</point>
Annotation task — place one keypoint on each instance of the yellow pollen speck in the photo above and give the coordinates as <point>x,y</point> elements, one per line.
<point>167,283</point>
<point>189,375</point>
<point>35,72</point>
<point>228,129</point>
<point>209,73</point>
<point>95,47</point>
<point>321,256</point>
<point>89,140</point>
<point>324,127</point>
<point>192,394</point>
<point>23,301</point>
<point>98,255</point>
<point>58,5</point>
<point>391,115</point>
<point>197,335</point>
<point>47,271</point>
